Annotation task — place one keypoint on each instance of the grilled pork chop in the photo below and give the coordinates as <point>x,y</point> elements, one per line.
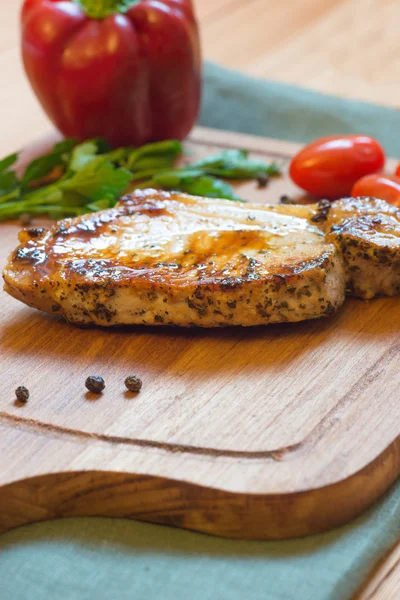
<point>172,259</point>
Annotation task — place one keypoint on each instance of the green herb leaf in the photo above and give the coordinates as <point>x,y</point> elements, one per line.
<point>99,205</point>
<point>169,149</point>
<point>65,147</point>
<point>8,161</point>
<point>82,155</point>
<point>94,176</point>
<point>247,170</point>
<point>143,175</point>
<point>8,179</point>
<point>91,149</point>
<point>234,164</point>
<point>98,180</point>
<point>44,165</point>
<point>118,156</point>
<point>57,212</point>
<point>174,178</point>
<point>222,158</point>
<point>8,183</point>
<point>10,196</point>
<point>154,163</point>
<point>210,187</point>
<point>193,181</point>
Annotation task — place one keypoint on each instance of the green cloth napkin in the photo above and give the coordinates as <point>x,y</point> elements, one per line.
<point>239,103</point>
<point>115,559</point>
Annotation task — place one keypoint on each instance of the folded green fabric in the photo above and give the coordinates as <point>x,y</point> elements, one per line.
<point>114,559</point>
<point>239,103</point>
<point>106,559</point>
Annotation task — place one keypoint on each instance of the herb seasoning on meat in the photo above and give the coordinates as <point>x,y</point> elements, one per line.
<point>324,207</point>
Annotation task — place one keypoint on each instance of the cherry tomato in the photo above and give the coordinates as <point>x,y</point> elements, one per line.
<point>379,185</point>
<point>330,166</point>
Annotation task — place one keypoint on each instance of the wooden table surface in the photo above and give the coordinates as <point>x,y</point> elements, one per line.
<point>344,47</point>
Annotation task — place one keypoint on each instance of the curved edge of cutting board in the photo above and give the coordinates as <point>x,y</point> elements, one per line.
<point>190,506</point>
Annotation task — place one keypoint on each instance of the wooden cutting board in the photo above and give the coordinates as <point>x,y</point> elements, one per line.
<point>267,432</point>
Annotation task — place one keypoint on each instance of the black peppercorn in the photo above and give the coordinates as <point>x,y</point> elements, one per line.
<point>133,384</point>
<point>22,394</point>
<point>95,384</point>
<point>262,180</point>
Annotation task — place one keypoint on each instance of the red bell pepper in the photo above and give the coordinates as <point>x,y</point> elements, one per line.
<point>126,70</point>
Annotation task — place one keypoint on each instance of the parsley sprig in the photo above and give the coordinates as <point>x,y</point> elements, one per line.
<point>75,179</point>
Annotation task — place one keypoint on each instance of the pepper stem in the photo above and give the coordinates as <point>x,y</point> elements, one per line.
<point>100,9</point>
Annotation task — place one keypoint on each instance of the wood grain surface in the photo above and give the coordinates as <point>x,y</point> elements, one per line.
<point>267,432</point>
<point>384,583</point>
<point>348,48</point>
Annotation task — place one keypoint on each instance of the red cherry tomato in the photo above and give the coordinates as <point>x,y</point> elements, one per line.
<point>379,185</point>
<point>330,166</point>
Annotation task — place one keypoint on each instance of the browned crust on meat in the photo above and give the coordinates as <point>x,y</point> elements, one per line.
<point>367,234</point>
<point>165,258</point>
